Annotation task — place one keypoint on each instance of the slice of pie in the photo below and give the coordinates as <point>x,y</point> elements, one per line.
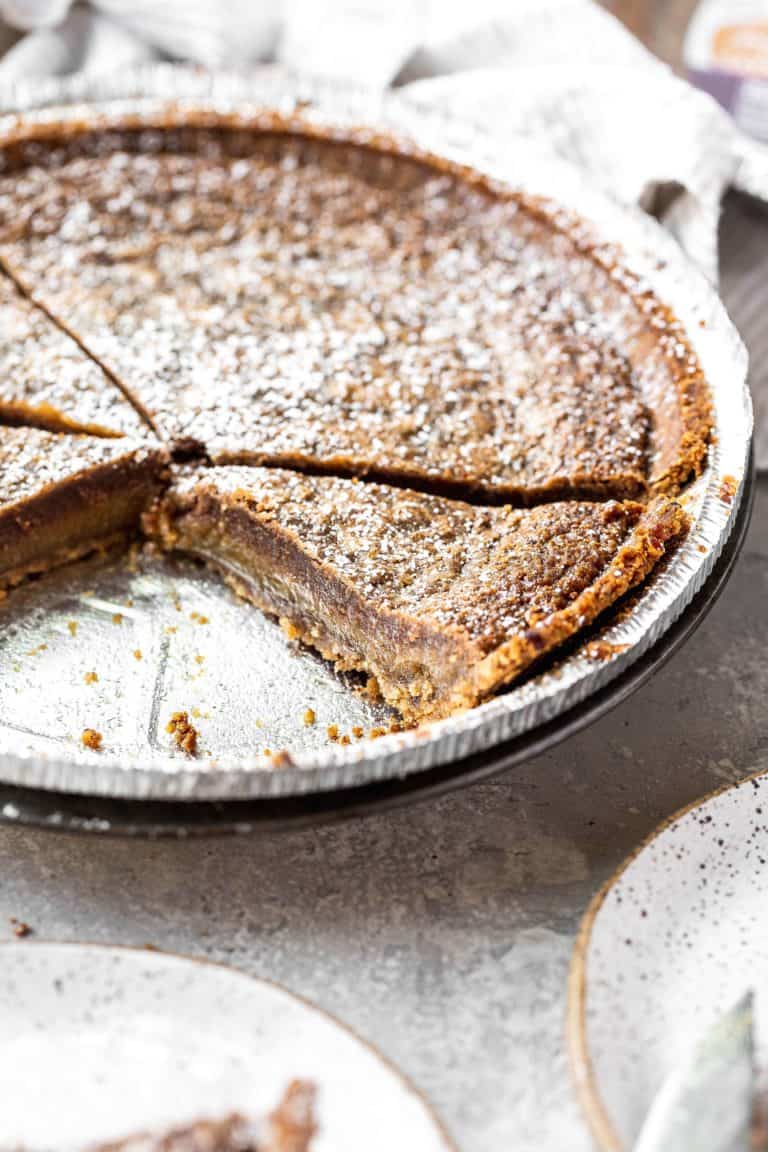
<point>273,296</point>
<point>63,496</point>
<point>47,381</point>
<point>440,602</point>
<point>290,1128</point>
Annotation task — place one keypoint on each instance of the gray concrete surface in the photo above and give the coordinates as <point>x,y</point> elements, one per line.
<point>442,933</point>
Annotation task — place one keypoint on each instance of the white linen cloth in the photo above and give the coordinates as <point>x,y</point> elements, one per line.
<point>563,71</point>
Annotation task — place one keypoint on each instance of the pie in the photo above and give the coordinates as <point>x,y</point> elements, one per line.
<point>290,1128</point>
<point>422,419</point>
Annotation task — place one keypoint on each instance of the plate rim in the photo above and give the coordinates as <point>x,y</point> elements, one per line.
<point>171,955</point>
<point>593,1107</point>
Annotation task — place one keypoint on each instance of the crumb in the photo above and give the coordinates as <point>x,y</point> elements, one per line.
<point>728,489</point>
<point>358,732</point>
<point>376,732</point>
<point>198,618</point>
<point>199,659</point>
<point>196,713</point>
<point>332,731</point>
<point>91,739</point>
<point>372,689</point>
<point>291,631</point>
<point>169,631</point>
<point>603,649</point>
<point>117,617</point>
<point>395,726</point>
<point>266,751</point>
<point>309,717</point>
<point>72,625</point>
<point>345,738</point>
<point>177,604</point>
<point>184,733</point>
<point>137,653</point>
<point>282,759</point>
<point>91,677</point>
<point>20,928</point>
<point>35,651</point>
<point>129,602</point>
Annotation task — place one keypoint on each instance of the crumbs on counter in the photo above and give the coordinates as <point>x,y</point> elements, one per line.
<point>20,928</point>
<point>91,677</point>
<point>184,733</point>
<point>91,739</point>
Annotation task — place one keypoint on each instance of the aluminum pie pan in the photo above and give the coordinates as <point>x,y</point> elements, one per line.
<point>42,707</point>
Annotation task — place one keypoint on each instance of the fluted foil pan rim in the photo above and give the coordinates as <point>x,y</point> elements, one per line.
<point>647,250</point>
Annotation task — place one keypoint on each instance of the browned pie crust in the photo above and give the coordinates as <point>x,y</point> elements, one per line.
<point>440,601</point>
<point>272,295</point>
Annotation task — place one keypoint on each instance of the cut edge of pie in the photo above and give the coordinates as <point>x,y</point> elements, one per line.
<point>63,497</point>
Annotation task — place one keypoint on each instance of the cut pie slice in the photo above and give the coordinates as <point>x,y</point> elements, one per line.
<point>439,601</point>
<point>63,496</point>
<point>269,297</point>
<point>290,1128</point>
<point>47,381</point>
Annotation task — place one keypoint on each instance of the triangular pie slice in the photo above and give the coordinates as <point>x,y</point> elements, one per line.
<point>439,601</point>
<point>268,297</point>
<point>63,496</point>
<point>47,381</point>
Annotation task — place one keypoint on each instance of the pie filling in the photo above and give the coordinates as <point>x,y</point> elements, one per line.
<point>440,602</point>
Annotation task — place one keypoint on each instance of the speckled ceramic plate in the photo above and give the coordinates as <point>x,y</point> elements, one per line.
<point>246,688</point>
<point>666,948</point>
<point>117,1040</point>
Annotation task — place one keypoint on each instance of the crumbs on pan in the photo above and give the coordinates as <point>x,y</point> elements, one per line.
<point>309,717</point>
<point>603,649</point>
<point>91,677</point>
<point>728,489</point>
<point>91,739</point>
<point>184,733</point>
<point>20,928</point>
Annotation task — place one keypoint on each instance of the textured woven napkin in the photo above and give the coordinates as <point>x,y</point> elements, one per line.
<point>562,71</point>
